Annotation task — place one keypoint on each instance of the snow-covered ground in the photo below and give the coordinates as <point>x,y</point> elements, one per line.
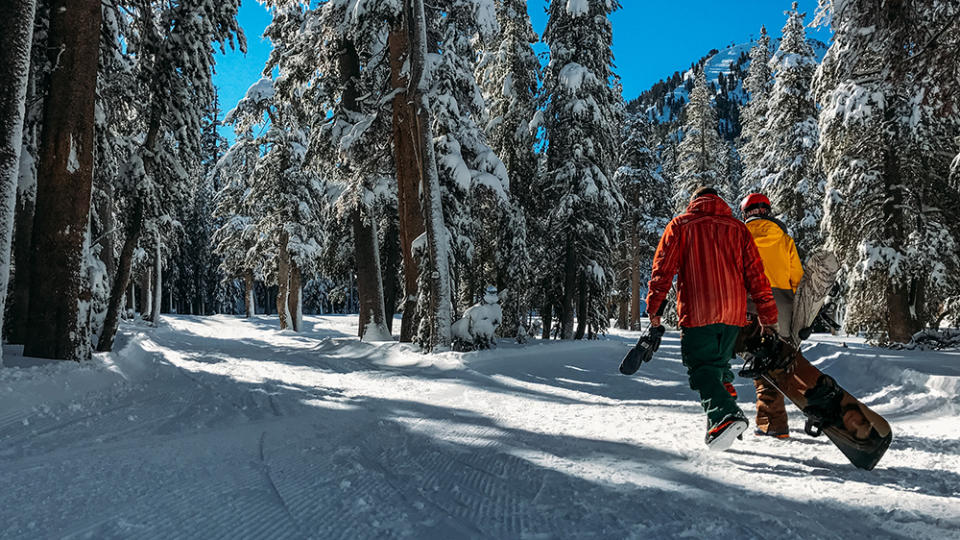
<point>224,428</point>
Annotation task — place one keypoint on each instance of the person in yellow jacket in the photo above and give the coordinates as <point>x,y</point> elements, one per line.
<point>781,264</point>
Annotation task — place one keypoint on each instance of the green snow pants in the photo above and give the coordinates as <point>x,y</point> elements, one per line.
<point>706,352</point>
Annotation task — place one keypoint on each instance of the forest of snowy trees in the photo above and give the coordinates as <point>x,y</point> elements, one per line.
<point>400,157</point>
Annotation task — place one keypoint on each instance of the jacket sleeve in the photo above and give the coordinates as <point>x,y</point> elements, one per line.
<point>666,262</point>
<point>756,281</point>
<point>796,269</point>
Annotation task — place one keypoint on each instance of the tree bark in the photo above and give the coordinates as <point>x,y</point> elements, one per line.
<point>55,327</point>
<point>546,316</point>
<point>634,279</point>
<point>405,137</point>
<point>20,297</point>
<point>294,298</point>
<point>569,292</point>
<point>146,294</point>
<point>581,307</point>
<point>124,269</point>
<point>369,284</point>
<point>16,41</point>
<point>390,270</point>
<point>283,281</point>
<point>249,298</point>
<point>158,285</point>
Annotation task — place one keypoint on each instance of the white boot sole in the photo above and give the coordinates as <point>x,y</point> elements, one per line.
<point>725,440</point>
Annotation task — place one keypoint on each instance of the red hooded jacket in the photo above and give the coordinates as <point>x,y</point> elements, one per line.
<point>718,264</point>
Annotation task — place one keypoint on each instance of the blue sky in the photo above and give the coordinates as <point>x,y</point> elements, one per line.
<point>651,38</point>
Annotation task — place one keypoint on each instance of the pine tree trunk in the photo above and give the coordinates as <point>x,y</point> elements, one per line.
<point>569,292</point>
<point>249,298</point>
<point>369,284</point>
<point>634,279</point>
<point>581,307</point>
<point>64,184</point>
<point>16,40</point>
<point>294,298</point>
<point>20,297</point>
<point>546,312</point>
<point>107,237</point>
<point>283,281</point>
<point>158,286</point>
<point>146,294</point>
<point>124,269</point>
<point>132,298</point>
<point>405,137</point>
<point>437,271</point>
<point>391,269</point>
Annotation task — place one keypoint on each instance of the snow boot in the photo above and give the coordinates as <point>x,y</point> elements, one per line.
<point>721,437</point>
<point>774,434</point>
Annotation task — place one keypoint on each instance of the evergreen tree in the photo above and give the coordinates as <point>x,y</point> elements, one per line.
<point>648,209</point>
<point>170,50</point>
<point>758,84</point>
<point>789,175</point>
<point>701,154</point>
<point>582,112</point>
<point>509,77</point>
<point>888,104</point>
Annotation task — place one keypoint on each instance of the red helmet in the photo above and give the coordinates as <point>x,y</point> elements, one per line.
<point>754,199</point>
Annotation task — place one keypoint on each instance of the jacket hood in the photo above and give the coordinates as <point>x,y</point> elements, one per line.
<point>710,205</point>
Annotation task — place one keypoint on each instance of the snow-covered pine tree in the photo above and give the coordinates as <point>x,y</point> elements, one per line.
<point>237,233</point>
<point>886,96</point>
<point>478,210</point>
<point>351,141</point>
<point>16,42</point>
<point>788,171</point>
<point>648,208</point>
<point>508,74</point>
<point>285,193</point>
<point>701,154</point>
<point>171,45</point>
<point>582,115</point>
<point>56,326</point>
<point>758,84</point>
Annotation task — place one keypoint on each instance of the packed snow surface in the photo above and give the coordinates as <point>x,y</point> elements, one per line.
<point>229,428</point>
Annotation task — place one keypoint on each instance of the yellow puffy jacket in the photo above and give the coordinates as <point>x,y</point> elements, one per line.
<point>781,262</point>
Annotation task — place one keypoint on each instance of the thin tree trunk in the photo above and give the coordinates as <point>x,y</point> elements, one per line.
<point>249,298</point>
<point>55,327</point>
<point>16,41</point>
<point>158,286</point>
<point>132,298</point>
<point>569,292</point>
<point>406,154</point>
<point>390,270</point>
<point>634,279</point>
<point>283,281</point>
<point>546,317</point>
<point>294,298</point>
<point>581,307</point>
<point>124,269</point>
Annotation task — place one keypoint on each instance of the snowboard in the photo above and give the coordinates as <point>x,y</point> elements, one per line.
<point>860,433</point>
<point>819,276</point>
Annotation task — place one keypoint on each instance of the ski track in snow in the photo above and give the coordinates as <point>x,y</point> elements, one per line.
<point>227,428</point>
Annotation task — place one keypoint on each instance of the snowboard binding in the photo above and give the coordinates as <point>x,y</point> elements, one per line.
<point>764,353</point>
<point>823,406</point>
<point>643,350</point>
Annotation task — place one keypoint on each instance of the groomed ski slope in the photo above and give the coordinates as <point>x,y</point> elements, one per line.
<point>225,428</point>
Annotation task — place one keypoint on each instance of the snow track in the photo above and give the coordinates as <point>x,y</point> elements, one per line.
<point>225,428</point>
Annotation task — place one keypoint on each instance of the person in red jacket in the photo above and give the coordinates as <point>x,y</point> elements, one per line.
<point>716,263</point>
